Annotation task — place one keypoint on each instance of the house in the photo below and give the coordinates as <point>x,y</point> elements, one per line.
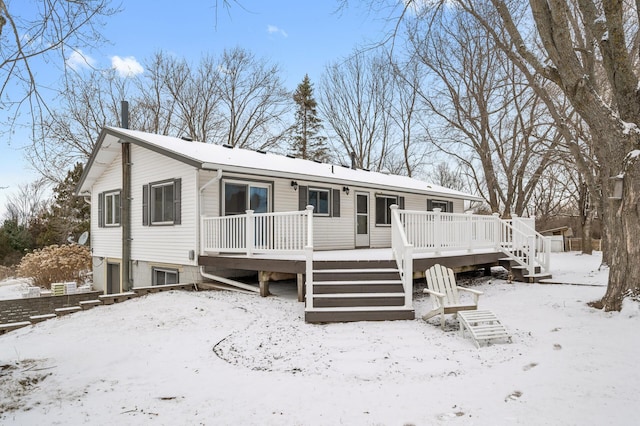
<point>167,210</point>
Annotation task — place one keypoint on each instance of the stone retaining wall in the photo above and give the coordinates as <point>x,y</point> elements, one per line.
<point>16,310</point>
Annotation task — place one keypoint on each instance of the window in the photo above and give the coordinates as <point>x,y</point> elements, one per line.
<point>112,209</point>
<point>161,203</point>
<point>383,211</point>
<point>319,199</point>
<point>325,201</point>
<point>444,206</point>
<point>162,276</point>
<point>109,209</point>
<point>162,199</point>
<point>240,197</point>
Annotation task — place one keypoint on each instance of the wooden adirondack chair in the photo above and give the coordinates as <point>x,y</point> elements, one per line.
<point>441,285</point>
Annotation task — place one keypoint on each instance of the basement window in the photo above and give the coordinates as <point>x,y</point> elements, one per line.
<point>163,276</point>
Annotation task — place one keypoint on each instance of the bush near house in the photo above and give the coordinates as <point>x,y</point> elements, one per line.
<point>6,272</point>
<point>56,263</point>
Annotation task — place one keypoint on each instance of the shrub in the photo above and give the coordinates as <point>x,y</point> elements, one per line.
<point>6,272</point>
<point>53,264</point>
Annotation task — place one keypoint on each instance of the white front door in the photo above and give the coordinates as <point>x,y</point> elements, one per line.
<point>362,219</point>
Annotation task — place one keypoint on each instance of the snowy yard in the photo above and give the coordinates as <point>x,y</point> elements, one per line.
<point>218,358</point>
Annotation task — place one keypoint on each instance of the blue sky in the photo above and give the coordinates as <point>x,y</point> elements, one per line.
<point>301,36</point>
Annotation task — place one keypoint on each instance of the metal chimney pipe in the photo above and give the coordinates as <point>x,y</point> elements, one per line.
<point>124,111</point>
<point>353,160</point>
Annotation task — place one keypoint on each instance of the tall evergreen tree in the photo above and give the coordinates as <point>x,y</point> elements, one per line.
<point>306,142</point>
<point>67,216</point>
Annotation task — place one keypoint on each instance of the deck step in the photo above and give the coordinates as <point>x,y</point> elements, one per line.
<point>358,294</point>
<point>536,278</point>
<point>358,300</point>
<point>356,270</point>
<point>359,282</point>
<point>354,287</point>
<point>337,314</point>
<point>355,274</point>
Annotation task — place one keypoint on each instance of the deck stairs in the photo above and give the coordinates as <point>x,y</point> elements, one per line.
<point>360,292</point>
<point>519,272</point>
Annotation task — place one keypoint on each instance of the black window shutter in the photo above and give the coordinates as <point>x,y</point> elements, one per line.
<point>450,206</point>
<point>336,202</point>
<point>302,197</point>
<point>101,210</point>
<point>145,205</point>
<point>401,203</point>
<point>429,205</point>
<point>177,201</point>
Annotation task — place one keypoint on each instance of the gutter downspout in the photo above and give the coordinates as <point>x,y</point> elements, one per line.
<point>125,200</point>
<point>216,178</point>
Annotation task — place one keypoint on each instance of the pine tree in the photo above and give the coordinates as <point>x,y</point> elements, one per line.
<point>67,216</point>
<point>306,142</point>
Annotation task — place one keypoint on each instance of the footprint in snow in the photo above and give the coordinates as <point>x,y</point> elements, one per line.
<point>513,396</point>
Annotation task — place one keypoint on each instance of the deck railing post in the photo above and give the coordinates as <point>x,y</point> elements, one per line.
<point>497,234</point>
<point>531,242</point>
<point>249,232</point>
<point>470,221</point>
<point>309,226</point>
<point>308,251</point>
<point>407,277</point>
<point>437,230</point>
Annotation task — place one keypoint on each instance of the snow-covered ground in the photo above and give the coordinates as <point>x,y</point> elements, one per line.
<point>222,358</point>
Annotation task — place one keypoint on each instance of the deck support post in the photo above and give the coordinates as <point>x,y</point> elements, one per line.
<point>300,282</point>
<point>263,279</point>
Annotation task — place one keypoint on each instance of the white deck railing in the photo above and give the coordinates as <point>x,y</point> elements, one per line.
<point>412,232</point>
<point>403,254</point>
<point>262,233</point>
<point>254,233</point>
<point>436,232</point>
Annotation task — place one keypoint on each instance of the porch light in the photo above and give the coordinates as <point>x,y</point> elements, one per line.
<point>345,189</point>
<point>294,185</point>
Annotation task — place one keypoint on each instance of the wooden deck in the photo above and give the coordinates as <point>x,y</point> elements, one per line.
<point>342,259</point>
<point>351,285</point>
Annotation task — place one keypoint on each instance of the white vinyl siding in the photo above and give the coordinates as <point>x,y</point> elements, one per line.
<point>106,242</point>
<point>165,244</point>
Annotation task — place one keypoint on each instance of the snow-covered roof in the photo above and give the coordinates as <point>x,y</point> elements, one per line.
<point>214,157</point>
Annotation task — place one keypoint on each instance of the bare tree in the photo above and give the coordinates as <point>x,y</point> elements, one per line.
<point>405,112</point>
<point>444,175</point>
<point>252,101</point>
<point>195,97</point>
<point>355,99</point>
<point>153,108</point>
<point>48,30</point>
<point>588,49</point>
<point>27,203</point>
<point>486,116</point>
<point>69,133</point>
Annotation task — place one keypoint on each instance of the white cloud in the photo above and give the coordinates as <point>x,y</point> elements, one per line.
<point>272,29</point>
<point>78,60</point>
<point>126,67</point>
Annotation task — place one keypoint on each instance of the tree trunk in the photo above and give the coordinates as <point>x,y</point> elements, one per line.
<point>585,219</point>
<point>623,222</point>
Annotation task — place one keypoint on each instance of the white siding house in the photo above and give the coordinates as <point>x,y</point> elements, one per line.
<point>174,183</point>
